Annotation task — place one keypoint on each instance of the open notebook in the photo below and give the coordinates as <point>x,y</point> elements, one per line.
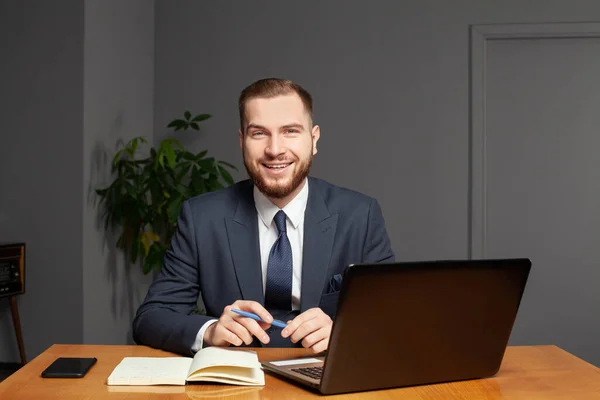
<point>211,364</point>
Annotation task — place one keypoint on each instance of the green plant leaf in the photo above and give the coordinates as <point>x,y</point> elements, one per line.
<point>174,143</point>
<point>183,191</point>
<point>167,151</point>
<point>117,157</point>
<point>178,124</point>
<point>188,156</point>
<point>147,239</point>
<point>185,169</point>
<point>130,189</point>
<point>134,146</point>
<point>208,164</point>
<point>174,209</point>
<point>148,266</point>
<point>226,176</point>
<point>229,165</point>
<point>144,199</point>
<point>201,117</point>
<point>154,258</point>
<point>198,186</point>
<point>170,154</point>
<point>135,141</point>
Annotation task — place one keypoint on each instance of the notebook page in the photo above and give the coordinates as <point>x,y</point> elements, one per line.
<point>230,375</point>
<point>211,356</point>
<point>150,371</point>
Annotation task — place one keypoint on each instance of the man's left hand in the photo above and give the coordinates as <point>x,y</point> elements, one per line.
<point>312,327</point>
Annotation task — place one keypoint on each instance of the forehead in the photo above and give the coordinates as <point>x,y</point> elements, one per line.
<point>276,111</point>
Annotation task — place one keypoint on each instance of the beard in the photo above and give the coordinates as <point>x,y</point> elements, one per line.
<point>278,188</point>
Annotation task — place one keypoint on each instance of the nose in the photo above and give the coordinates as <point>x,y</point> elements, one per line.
<point>274,147</point>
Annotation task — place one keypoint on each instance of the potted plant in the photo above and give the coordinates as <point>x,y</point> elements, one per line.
<point>144,200</point>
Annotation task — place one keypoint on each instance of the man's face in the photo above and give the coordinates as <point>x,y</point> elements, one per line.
<point>278,144</point>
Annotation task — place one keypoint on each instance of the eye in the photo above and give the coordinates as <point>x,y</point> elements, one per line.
<point>291,131</point>
<point>257,133</point>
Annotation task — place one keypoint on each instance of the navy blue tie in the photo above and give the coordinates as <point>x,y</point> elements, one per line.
<point>278,293</point>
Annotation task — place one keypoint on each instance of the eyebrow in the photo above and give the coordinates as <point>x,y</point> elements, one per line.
<point>255,126</point>
<point>294,125</point>
<point>287,126</point>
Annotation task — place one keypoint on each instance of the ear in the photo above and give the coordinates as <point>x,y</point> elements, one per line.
<point>241,138</point>
<point>316,134</point>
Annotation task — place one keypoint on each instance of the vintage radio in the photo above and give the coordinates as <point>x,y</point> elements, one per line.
<point>12,269</point>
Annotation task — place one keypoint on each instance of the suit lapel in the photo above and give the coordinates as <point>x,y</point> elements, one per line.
<point>242,231</point>
<point>319,232</point>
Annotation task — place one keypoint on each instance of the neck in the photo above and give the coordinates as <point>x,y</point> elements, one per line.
<point>284,201</point>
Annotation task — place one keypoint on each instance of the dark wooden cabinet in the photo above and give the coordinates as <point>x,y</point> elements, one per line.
<point>12,284</point>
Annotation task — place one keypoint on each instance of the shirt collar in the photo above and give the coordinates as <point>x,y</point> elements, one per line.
<point>294,210</point>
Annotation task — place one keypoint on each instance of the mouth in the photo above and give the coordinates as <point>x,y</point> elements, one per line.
<point>276,167</point>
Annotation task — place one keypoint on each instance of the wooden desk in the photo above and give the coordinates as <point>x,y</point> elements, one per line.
<point>528,372</point>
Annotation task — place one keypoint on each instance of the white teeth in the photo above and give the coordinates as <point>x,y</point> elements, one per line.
<point>278,166</point>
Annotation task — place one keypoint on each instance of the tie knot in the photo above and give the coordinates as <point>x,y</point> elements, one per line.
<point>280,221</point>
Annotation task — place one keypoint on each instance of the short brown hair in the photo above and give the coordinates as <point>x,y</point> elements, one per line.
<point>271,87</point>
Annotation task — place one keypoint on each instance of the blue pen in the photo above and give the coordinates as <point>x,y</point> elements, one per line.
<point>277,323</point>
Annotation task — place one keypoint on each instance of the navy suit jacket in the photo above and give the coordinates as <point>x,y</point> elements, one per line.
<point>215,253</point>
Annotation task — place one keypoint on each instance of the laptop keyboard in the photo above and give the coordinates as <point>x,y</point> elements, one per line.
<point>312,372</point>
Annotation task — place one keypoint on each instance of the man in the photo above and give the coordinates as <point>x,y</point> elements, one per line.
<point>275,245</point>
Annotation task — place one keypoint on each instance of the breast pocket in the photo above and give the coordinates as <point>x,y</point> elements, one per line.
<point>329,302</point>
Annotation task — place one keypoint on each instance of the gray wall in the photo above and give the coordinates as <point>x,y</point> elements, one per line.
<point>41,180</point>
<point>118,105</point>
<point>390,82</point>
<point>540,179</point>
<point>75,78</point>
<point>391,86</point>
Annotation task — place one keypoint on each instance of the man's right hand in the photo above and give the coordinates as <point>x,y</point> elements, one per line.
<point>234,329</point>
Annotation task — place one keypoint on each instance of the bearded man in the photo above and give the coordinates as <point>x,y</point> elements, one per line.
<point>275,245</point>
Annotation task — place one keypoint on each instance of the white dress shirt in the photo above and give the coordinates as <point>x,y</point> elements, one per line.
<point>268,234</point>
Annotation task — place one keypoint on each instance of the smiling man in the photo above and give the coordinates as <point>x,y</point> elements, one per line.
<point>275,245</point>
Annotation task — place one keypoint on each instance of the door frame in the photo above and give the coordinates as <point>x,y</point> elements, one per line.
<point>480,36</point>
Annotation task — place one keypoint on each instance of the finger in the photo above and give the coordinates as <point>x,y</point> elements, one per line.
<point>306,323</point>
<point>256,328</point>
<point>315,337</point>
<point>236,328</point>
<point>307,327</point>
<point>227,322</point>
<point>253,328</point>
<point>222,334</point>
<point>320,346</point>
<point>254,307</point>
<point>262,312</point>
<point>264,325</point>
<point>292,326</point>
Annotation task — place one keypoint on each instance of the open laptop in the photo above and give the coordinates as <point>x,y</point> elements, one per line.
<point>415,323</point>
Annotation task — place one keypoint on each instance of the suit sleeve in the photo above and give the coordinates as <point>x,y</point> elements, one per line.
<point>377,246</point>
<point>164,319</point>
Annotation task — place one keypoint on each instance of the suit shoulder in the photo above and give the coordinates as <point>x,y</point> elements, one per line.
<point>222,199</point>
<point>334,194</point>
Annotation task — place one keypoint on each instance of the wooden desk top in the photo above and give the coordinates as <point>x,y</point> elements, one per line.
<point>528,372</point>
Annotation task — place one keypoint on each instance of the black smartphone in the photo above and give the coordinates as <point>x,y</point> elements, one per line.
<point>69,367</point>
